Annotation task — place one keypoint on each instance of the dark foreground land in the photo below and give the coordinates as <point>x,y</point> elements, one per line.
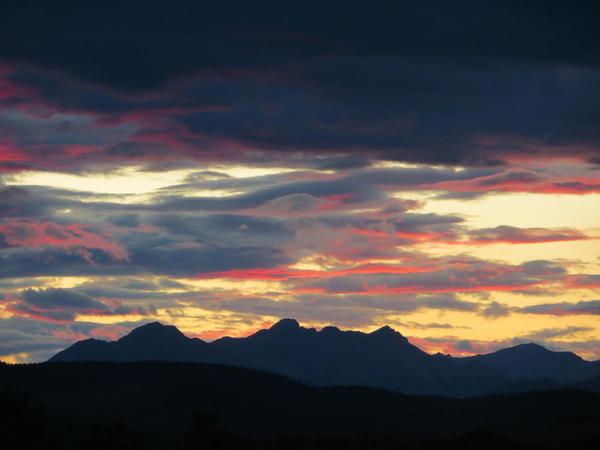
<point>158,405</point>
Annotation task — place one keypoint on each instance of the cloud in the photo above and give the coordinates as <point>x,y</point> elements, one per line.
<point>29,262</point>
<point>285,273</point>
<point>60,298</point>
<point>10,200</point>
<point>516,181</point>
<point>188,259</point>
<point>590,307</point>
<point>306,154</point>
<point>226,229</point>
<point>584,281</point>
<point>14,341</point>
<point>513,235</point>
<point>390,89</point>
<point>468,275</point>
<point>35,234</point>
<point>552,333</point>
<point>40,340</point>
<point>495,309</point>
<point>348,310</point>
<point>33,202</point>
<point>64,305</point>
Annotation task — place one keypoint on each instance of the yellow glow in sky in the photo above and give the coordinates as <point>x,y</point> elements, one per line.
<point>523,210</point>
<point>126,181</point>
<point>131,180</point>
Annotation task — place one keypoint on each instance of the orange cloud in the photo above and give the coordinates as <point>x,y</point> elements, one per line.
<point>211,335</point>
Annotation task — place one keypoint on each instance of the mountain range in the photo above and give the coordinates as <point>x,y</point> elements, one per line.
<point>383,359</point>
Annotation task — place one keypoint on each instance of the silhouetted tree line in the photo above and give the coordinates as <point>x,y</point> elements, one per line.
<point>22,425</point>
<point>148,406</point>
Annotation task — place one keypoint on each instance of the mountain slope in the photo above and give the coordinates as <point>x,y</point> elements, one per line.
<point>532,361</point>
<point>383,358</point>
<point>152,341</point>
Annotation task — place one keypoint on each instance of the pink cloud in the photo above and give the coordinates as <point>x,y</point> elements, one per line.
<point>110,332</point>
<point>520,181</point>
<point>69,335</point>
<point>10,153</point>
<point>38,234</point>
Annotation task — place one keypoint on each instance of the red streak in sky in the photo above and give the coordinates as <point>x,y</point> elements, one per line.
<point>384,290</point>
<point>563,185</point>
<point>335,200</point>
<point>582,282</point>
<point>418,236</point>
<point>9,152</point>
<point>284,273</point>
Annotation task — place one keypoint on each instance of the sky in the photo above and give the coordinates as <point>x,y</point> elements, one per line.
<point>429,165</point>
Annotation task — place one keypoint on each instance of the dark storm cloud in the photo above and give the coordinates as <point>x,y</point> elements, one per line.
<point>160,255</point>
<point>11,201</point>
<point>226,228</point>
<point>187,260</point>
<point>51,261</point>
<point>58,130</point>
<point>416,113</point>
<point>35,201</point>
<point>127,39</point>
<point>60,298</point>
<point>433,81</point>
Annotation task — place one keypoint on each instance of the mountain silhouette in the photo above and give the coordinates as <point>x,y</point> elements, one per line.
<point>532,361</point>
<point>155,405</point>
<point>383,358</point>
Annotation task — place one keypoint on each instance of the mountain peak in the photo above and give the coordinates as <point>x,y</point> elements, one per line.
<point>383,358</point>
<point>385,331</point>
<point>536,349</point>
<point>155,331</point>
<point>286,325</point>
<point>330,330</point>
<point>529,347</point>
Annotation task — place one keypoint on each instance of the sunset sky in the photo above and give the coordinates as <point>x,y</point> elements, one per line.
<point>429,165</point>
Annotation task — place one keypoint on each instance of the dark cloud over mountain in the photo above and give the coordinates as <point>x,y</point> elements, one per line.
<point>436,82</point>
